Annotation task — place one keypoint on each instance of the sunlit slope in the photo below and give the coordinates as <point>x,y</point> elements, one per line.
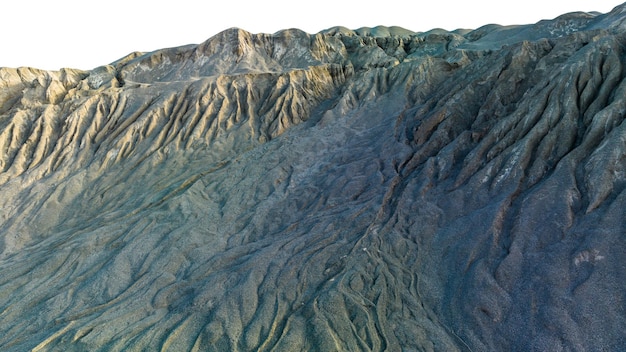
<point>351,190</point>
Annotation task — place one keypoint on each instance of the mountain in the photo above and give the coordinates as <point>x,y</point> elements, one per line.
<point>352,190</point>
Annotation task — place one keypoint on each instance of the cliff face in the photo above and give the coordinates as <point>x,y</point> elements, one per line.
<point>375,189</point>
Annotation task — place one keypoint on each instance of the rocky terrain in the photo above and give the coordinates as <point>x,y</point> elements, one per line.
<point>351,190</point>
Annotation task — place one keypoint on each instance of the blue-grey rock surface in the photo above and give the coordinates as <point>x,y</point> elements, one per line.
<point>373,189</point>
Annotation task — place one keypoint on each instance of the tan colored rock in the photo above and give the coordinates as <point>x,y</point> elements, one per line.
<point>354,190</point>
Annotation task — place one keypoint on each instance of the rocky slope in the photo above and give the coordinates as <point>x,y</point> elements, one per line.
<point>352,190</point>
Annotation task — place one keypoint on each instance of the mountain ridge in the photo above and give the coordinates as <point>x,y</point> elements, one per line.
<point>369,189</point>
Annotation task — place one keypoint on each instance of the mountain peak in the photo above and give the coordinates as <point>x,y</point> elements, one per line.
<point>353,189</point>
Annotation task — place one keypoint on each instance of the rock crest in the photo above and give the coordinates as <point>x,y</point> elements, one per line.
<point>369,189</point>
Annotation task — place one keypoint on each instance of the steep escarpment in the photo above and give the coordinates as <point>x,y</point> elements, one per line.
<point>371,189</point>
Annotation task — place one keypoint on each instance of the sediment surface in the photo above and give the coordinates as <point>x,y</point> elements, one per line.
<point>351,190</point>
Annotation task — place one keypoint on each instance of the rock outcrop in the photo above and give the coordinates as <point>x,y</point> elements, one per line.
<point>351,190</point>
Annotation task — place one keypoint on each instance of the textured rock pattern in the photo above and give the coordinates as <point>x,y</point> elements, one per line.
<point>363,190</point>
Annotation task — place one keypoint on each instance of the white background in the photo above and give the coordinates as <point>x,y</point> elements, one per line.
<point>86,34</point>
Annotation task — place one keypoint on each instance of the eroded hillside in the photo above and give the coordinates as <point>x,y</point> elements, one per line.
<point>353,190</point>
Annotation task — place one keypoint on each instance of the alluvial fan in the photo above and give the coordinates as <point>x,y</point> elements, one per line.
<point>351,190</point>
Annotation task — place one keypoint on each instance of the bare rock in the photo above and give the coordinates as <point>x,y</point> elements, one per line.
<point>370,189</point>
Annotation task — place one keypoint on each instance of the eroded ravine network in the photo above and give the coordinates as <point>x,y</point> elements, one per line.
<point>365,190</point>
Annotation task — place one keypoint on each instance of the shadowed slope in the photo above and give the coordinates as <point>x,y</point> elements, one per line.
<point>364,190</point>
